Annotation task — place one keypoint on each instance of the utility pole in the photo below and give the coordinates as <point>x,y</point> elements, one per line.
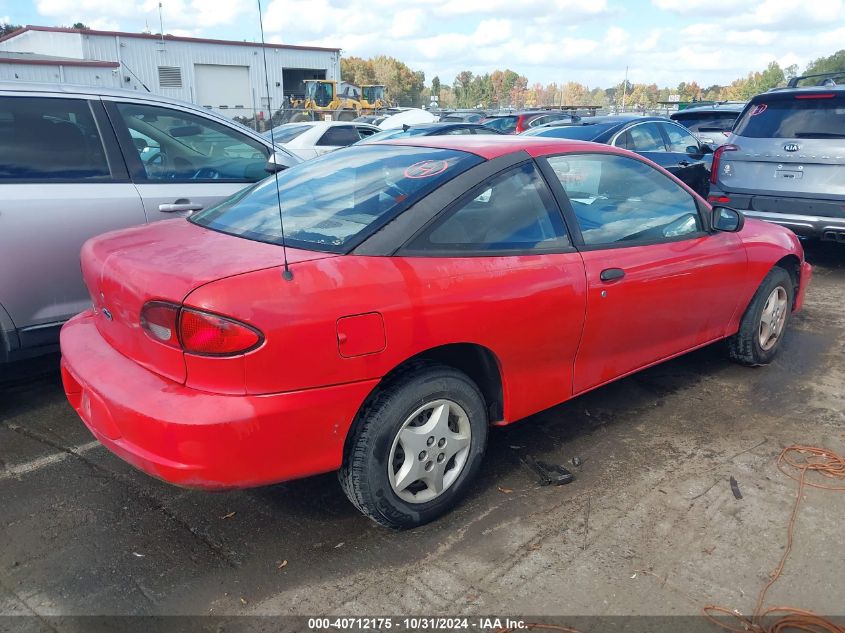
<point>161,21</point>
<point>624,87</point>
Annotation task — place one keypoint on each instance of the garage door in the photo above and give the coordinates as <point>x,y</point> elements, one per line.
<point>223,87</point>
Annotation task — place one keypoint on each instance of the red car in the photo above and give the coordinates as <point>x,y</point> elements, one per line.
<point>434,286</point>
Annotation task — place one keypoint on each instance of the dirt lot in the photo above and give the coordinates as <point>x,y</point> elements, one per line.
<point>81,533</point>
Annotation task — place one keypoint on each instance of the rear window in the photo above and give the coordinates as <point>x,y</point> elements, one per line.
<point>794,118</point>
<point>576,132</point>
<point>334,202</point>
<point>707,121</point>
<point>502,123</point>
<point>286,133</point>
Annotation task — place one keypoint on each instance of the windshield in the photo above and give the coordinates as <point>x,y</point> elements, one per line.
<point>799,117</point>
<point>335,201</point>
<point>583,132</point>
<point>502,123</point>
<point>373,93</point>
<point>288,132</point>
<point>392,134</point>
<point>320,92</point>
<point>706,121</point>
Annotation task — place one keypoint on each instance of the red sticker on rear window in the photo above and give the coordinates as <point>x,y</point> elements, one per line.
<point>760,108</point>
<point>426,169</point>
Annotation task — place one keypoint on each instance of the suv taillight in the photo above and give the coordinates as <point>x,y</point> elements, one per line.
<point>717,160</point>
<point>197,331</point>
<point>520,124</point>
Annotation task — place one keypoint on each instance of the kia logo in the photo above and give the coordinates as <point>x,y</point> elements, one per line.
<point>792,147</point>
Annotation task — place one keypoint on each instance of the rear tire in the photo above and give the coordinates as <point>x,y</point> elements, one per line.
<point>415,447</point>
<point>762,327</point>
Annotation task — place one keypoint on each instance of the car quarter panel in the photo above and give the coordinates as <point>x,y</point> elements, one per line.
<point>527,309</point>
<point>766,246</point>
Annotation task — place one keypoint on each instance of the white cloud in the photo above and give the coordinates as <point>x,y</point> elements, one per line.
<point>709,41</point>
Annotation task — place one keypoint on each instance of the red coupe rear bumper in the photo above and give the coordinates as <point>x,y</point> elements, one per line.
<point>199,439</point>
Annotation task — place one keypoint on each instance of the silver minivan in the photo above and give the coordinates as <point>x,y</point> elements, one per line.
<point>785,160</point>
<point>76,161</point>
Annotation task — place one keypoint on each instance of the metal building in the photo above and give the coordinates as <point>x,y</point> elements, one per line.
<point>226,76</point>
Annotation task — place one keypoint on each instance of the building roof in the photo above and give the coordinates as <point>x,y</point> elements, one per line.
<point>9,57</point>
<point>167,38</point>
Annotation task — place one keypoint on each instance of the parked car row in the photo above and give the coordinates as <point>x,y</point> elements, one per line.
<point>120,158</point>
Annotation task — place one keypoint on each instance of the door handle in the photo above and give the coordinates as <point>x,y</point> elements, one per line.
<point>611,274</point>
<point>178,206</point>
<point>684,163</point>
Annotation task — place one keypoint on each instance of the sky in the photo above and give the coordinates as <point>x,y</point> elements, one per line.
<point>590,41</point>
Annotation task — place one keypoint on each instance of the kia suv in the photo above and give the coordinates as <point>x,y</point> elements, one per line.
<point>785,160</point>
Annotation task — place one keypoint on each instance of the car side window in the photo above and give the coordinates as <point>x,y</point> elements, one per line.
<point>46,139</point>
<point>617,199</point>
<point>679,139</point>
<point>512,211</point>
<point>174,145</point>
<point>458,130</point>
<point>483,130</point>
<point>643,137</point>
<point>339,136</point>
<point>364,132</point>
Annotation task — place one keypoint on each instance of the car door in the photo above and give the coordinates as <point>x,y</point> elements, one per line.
<point>685,151</point>
<point>62,181</point>
<point>503,248</point>
<point>658,282</point>
<point>198,161</point>
<point>335,137</point>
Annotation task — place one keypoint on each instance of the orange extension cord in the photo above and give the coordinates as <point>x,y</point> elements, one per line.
<point>795,462</point>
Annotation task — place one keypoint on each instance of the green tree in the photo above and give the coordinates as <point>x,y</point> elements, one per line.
<point>6,28</point>
<point>81,26</point>
<point>356,70</point>
<point>833,64</point>
<point>435,86</point>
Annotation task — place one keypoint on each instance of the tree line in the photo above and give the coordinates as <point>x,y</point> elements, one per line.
<point>507,88</point>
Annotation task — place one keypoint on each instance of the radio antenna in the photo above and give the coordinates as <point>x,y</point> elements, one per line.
<point>287,275</point>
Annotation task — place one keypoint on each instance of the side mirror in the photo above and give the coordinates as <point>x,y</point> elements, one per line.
<point>727,220</point>
<point>706,149</point>
<point>279,161</point>
<point>695,150</point>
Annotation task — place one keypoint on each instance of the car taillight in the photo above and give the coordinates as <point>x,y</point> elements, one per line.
<point>718,199</point>
<point>211,334</point>
<point>717,160</point>
<point>520,124</point>
<point>158,319</point>
<point>816,95</point>
<point>196,331</point>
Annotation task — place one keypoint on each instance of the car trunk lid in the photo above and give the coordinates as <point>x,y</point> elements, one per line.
<point>164,261</point>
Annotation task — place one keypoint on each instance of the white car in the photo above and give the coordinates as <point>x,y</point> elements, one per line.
<point>310,139</point>
<point>408,116</point>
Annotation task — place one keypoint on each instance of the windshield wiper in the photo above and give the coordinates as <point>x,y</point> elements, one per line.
<point>818,135</point>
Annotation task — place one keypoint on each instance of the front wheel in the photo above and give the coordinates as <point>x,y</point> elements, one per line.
<point>416,447</point>
<point>764,322</point>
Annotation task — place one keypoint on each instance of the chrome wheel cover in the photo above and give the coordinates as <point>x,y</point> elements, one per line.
<point>430,451</point>
<point>772,318</point>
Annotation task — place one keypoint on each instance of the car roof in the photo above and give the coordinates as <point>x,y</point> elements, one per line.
<point>836,89</point>
<point>494,145</point>
<point>441,125</point>
<point>528,112</point>
<point>725,106</point>
<point>78,89</point>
